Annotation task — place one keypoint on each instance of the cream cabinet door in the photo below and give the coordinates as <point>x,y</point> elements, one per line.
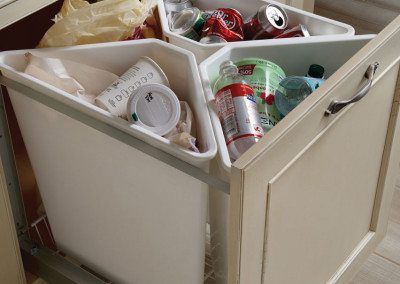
<point>310,201</point>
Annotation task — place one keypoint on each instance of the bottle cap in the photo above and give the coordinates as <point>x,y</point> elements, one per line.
<point>227,64</point>
<point>154,107</point>
<point>316,71</point>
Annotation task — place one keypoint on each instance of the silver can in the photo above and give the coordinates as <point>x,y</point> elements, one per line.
<point>188,23</point>
<point>175,6</point>
<point>297,31</point>
<point>269,22</point>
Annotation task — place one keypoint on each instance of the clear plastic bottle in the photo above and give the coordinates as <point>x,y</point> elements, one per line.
<point>294,89</point>
<point>237,110</point>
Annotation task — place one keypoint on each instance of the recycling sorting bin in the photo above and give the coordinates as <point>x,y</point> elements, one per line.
<point>316,25</point>
<point>116,203</point>
<point>118,209</point>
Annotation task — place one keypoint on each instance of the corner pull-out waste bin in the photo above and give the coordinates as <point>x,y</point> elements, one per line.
<point>118,209</point>
<point>316,25</point>
<point>310,200</point>
<point>307,203</point>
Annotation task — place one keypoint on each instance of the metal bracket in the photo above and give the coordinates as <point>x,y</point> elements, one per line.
<point>10,169</point>
<point>53,267</point>
<point>213,181</point>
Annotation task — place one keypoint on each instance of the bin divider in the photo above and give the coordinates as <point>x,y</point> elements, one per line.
<point>118,134</point>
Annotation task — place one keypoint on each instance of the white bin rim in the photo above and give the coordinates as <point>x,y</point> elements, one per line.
<point>349,30</point>
<point>193,158</point>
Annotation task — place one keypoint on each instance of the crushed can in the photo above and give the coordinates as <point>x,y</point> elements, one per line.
<point>225,23</point>
<point>189,23</point>
<point>297,31</point>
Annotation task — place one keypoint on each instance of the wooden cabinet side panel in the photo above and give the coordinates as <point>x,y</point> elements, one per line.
<point>11,269</point>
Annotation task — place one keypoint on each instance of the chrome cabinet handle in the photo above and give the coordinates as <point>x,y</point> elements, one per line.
<point>337,106</point>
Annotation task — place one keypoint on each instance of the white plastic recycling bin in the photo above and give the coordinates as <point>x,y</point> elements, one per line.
<point>115,208</point>
<point>294,56</point>
<point>317,25</point>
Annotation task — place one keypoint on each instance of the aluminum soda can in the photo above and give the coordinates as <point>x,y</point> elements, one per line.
<point>225,23</point>
<point>115,98</point>
<point>237,111</point>
<point>269,22</point>
<point>297,31</point>
<point>175,6</point>
<point>188,23</point>
<point>264,77</point>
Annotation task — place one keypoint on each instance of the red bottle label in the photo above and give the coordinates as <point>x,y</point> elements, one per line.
<point>237,111</point>
<point>246,69</point>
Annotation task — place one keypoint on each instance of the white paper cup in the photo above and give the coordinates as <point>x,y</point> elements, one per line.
<point>154,107</point>
<point>115,98</point>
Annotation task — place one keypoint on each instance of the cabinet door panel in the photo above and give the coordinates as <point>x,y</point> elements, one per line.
<point>305,199</point>
<point>320,206</point>
<point>11,269</point>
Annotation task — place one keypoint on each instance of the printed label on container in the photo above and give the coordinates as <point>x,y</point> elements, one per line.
<point>264,77</point>
<point>237,111</point>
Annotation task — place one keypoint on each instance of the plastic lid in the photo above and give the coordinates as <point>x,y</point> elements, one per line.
<point>154,107</point>
<point>316,71</point>
<point>184,20</point>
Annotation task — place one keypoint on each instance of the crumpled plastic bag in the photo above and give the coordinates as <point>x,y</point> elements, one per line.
<point>70,6</point>
<point>80,80</point>
<point>184,132</point>
<point>104,21</point>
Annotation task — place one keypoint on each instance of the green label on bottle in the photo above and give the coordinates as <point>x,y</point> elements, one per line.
<point>192,34</point>
<point>264,77</point>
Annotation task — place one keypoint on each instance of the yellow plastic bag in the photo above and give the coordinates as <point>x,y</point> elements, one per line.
<point>104,21</point>
<point>69,6</point>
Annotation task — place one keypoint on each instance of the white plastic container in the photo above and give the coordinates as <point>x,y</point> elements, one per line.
<point>294,57</point>
<point>317,25</point>
<point>145,71</point>
<point>121,212</point>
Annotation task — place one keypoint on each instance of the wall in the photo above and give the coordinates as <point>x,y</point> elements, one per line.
<point>366,16</point>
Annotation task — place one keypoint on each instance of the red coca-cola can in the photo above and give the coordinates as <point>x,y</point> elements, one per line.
<point>225,23</point>
<point>297,31</point>
<point>269,22</point>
